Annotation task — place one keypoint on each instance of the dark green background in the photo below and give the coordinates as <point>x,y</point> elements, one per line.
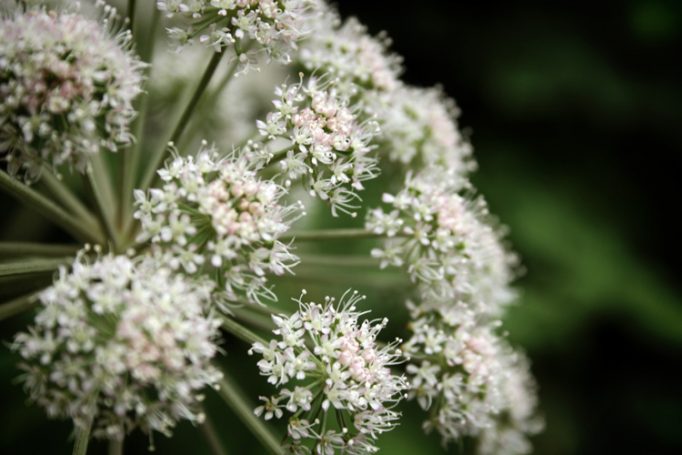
<point>574,110</point>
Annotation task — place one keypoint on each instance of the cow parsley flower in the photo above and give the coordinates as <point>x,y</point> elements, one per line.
<point>249,27</point>
<point>322,140</point>
<point>123,342</point>
<point>334,377</point>
<point>346,51</point>
<point>67,84</point>
<point>445,242</point>
<point>419,129</point>
<point>214,216</point>
<point>469,379</point>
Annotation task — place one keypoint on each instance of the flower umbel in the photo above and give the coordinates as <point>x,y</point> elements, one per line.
<point>274,26</point>
<point>333,375</point>
<point>469,379</point>
<point>322,140</point>
<point>213,215</point>
<point>67,85</point>
<point>123,341</point>
<point>446,242</point>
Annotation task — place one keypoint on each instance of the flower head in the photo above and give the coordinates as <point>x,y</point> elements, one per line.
<point>446,242</point>
<point>122,341</point>
<point>213,215</point>
<point>346,51</point>
<point>249,27</point>
<point>419,129</point>
<point>333,376</point>
<point>469,379</point>
<point>323,140</point>
<point>66,89</point>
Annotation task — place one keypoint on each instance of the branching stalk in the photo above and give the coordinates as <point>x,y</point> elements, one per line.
<point>50,210</point>
<point>8,249</point>
<point>234,397</point>
<point>240,331</point>
<point>155,161</point>
<point>331,234</point>
<point>67,198</point>
<point>29,266</point>
<point>18,305</point>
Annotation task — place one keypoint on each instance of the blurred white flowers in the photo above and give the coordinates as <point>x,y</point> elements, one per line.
<point>123,341</point>
<point>248,27</point>
<point>67,84</point>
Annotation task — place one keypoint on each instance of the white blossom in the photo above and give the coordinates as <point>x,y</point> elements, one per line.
<point>123,341</point>
<point>333,376</point>
<point>420,130</point>
<point>214,216</point>
<point>446,241</point>
<point>347,52</point>
<point>323,140</point>
<point>67,84</point>
<point>469,379</point>
<point>248,27</point>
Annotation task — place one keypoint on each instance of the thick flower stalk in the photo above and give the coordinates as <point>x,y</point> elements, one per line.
<point>249,27</point>
<point>469,379</point>
<point>213,216</point>
<point>67,84</point>
<point>333,375</point>
<point>445,241</point>
<point>323,140</point>
<point>120,343</point>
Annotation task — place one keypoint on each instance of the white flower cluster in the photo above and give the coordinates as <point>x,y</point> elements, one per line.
<point>470,380</point>
<point>346,51</point>
<point>325,142</point>
<point>339,386</point>
<point>123,342</point>
<point>445,243</point>
<point>247,26</point>
<point>66,89</point>
<point>213,215</point>
<point>419,129</point>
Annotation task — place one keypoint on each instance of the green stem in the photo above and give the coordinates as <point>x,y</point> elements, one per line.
<point>340,260</point>
<point>67,198</point>
<point>257,320</point>
<point>101,185</point>
<point>331,234</point>
<point>131,157</point>
<point>30,266</point>
<point>18,305</point>
<point>235,399</point>
<point>240,331</point>
<point>157,159</point>
<point>36,249</point>
<point>80,447</point>
<point>131,14</point>
<point>211,436</point>
<point>116,446</point>
<point>50,210</point>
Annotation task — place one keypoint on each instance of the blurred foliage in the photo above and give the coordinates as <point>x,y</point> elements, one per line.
<point>575,112</point>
